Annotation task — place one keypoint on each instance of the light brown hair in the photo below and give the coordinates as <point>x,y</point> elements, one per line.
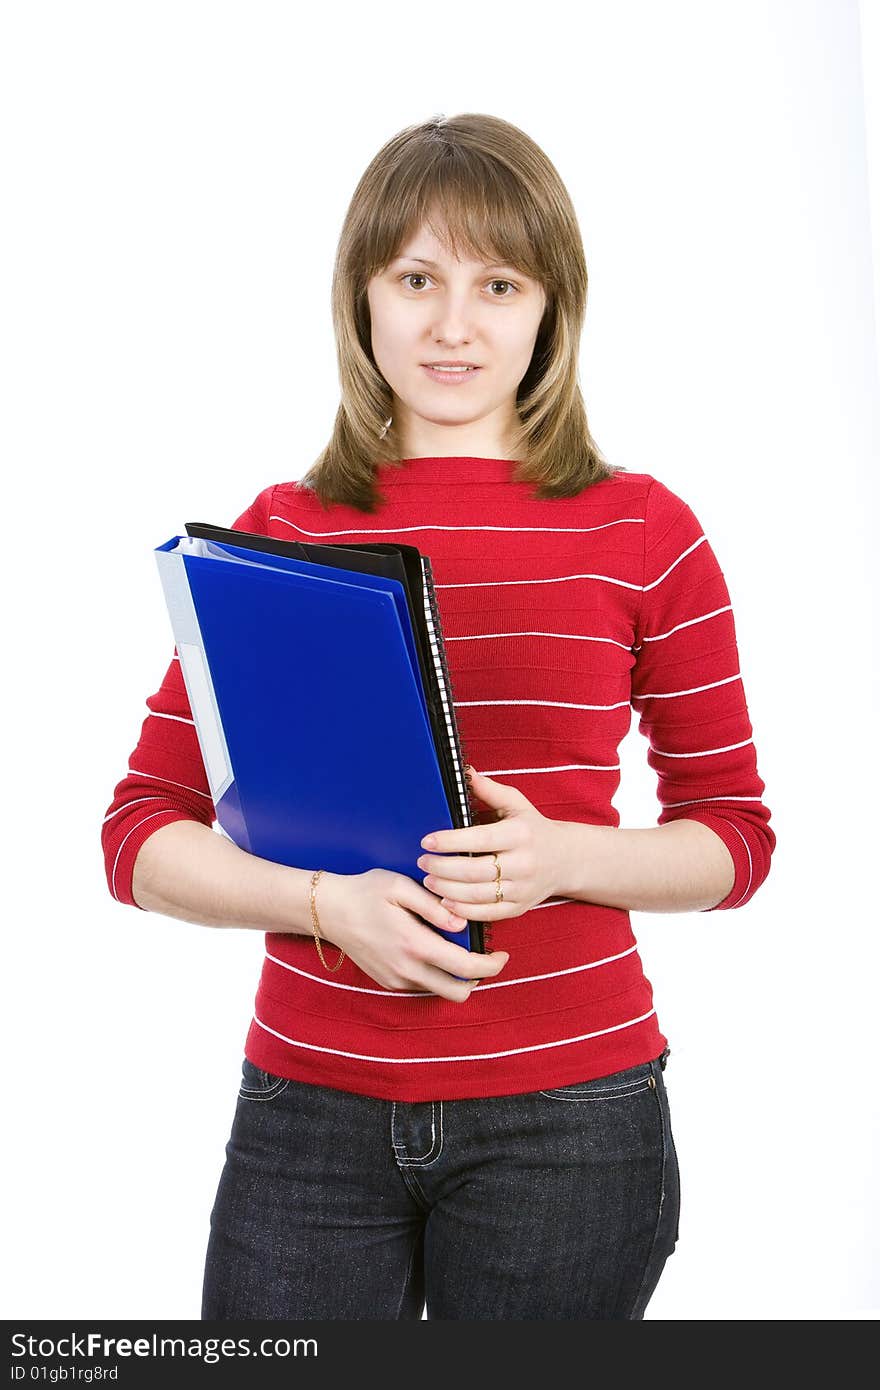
<point>498,197</point>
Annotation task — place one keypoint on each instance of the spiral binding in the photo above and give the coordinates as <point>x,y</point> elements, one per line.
<point>444,682</point>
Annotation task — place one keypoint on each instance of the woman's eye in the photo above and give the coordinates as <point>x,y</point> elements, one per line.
<point>419,275</point>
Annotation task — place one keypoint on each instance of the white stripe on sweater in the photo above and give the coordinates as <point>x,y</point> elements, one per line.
<point>691,690</point>
<point>563,578</point>
<point>423,994</point>
<point>547,704</point>
<point>179,717</point>
<point>565,636</point>
<point>151,816</point>
<point>695,801</point>
<point>684,554</point>
<point>703,752</point>
<point>749,854</point>
<point>460,1057</point>
<point>561,767</point>
<point>689,622</point>
<point>395,530</point>
<point>554,579</point>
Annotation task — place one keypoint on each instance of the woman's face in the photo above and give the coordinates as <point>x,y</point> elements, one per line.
<point>427,307</point>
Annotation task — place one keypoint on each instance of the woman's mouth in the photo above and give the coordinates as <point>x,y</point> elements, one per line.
<point>450,376</point>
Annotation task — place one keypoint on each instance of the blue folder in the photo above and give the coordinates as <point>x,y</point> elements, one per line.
<point>320,694</point>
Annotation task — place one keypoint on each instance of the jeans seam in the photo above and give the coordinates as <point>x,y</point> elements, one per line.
<point>264,1093</point>
<point>621,1093</point>
<point>428,1158</point>
<point>663,1164</point>
<point>409,1270</point>
<point>411,1183</point>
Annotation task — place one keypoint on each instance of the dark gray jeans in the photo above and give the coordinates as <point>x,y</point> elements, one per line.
<point>557,1204</point>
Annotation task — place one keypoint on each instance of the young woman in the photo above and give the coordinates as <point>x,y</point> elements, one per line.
<point>419,1128</point>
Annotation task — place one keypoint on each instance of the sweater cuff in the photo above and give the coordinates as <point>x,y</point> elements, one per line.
<point>122,871</point>
<point>744,882</point>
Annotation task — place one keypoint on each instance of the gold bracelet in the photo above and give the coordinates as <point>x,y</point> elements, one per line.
<point>316,926</point>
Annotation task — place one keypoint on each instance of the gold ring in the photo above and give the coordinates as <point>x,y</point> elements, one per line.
<point>499,896</point>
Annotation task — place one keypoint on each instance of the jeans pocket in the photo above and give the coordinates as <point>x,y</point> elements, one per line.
<point>257,1084</point>
<point>616,1086</point>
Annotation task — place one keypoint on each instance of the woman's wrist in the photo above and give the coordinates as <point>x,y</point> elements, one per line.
<point>321,905</point>
<point>681,866</point>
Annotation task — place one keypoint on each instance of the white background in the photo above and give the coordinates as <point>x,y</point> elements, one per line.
<point>175,177</point>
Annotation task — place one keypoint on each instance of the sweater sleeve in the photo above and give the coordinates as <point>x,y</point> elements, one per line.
<point>689,694</point>
<point>166,779</point>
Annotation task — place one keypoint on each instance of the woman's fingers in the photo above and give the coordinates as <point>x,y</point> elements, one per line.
<point>476,968</point>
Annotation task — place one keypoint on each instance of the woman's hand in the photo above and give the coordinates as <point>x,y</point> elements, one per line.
<point>530,849</point>
<point>375,917</point>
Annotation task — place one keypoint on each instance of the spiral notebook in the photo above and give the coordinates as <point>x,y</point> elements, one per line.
<point>321,696</point>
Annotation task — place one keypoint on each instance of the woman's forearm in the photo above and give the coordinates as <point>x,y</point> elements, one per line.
<point>187,870</point>
<point>682,866</point>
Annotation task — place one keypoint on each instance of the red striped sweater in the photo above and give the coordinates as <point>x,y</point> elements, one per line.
<point>560,616</point>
